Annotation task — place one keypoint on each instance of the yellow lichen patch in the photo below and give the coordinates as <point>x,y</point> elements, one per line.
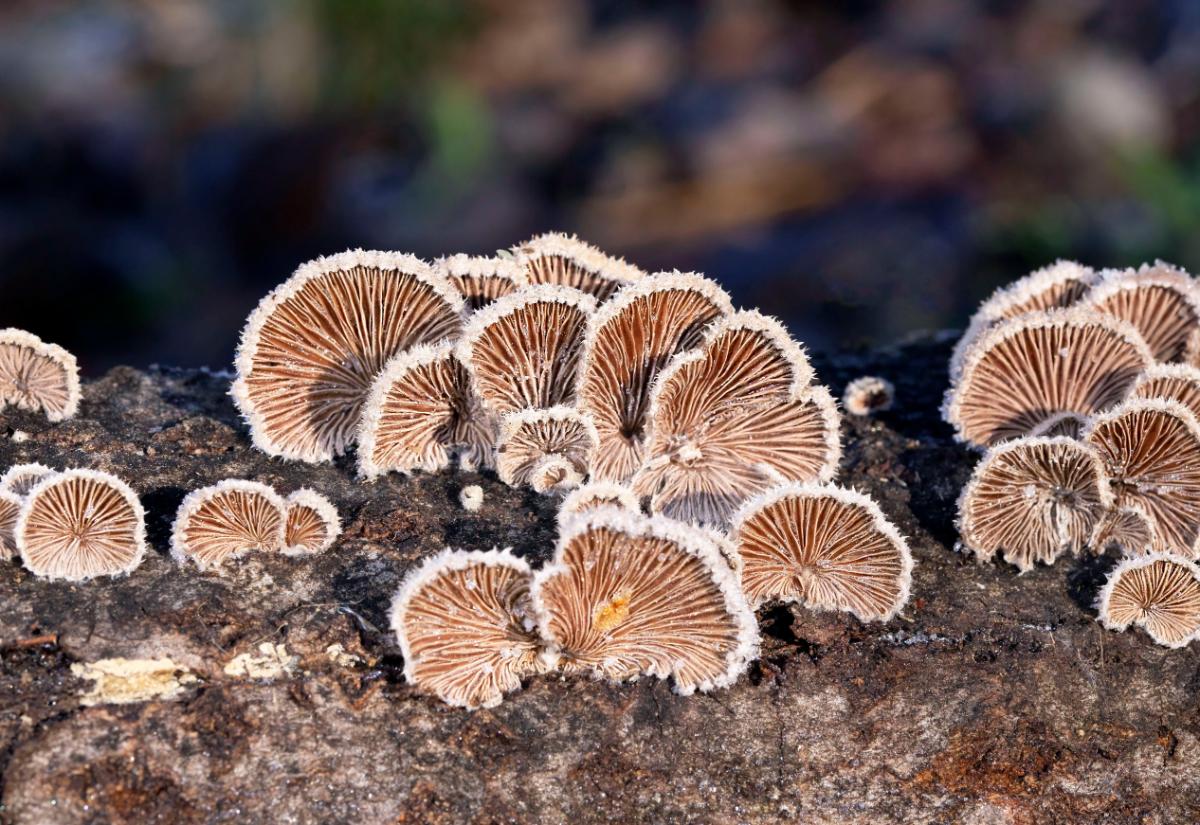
<point>608,616</point>
<point>271,662</point>
<point>123,681</point>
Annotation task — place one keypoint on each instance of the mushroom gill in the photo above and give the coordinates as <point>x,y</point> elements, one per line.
<point>312,524</point>
<point>227,520</point>
<point>1159,592</point>
<point>565,260</point>
<point>481,280</point>
<point>37,376</point>
<point>1158,299</point>
<point>550,450</point>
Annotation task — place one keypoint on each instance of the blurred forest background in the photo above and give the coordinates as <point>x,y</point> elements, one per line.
<point>861,169</point>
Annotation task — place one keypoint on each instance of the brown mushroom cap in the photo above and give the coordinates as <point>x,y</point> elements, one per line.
<point>1174,382</point>
<point>1024,372</point>
<point>421,410</point>
<point>312,348</point>
<point>19,479</point>
<point>227,520</point>
<point>80,524</point>
<point>465,627</point>
<point>628,595</point>
<point>629,341</point>
<point>1129,529</point>
<point>10,508</point>
<point>1057,286</point>
<point>824,547</point>
<point>312,523</point>
<point>1160,592</point>
<point>551,450</point>
<point>481,280</point>
<point>595,495</point>
<point>37,376</point>
<point>524,350</point>
<point>565,260</point>
<point>1159,300</point>
<point>1151,452</point>
<point>1033,499</point>
<point>732,418</point>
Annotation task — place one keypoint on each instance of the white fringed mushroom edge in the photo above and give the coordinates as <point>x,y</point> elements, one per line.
<point>1134,563</point>
<point>197,498</point>
<point>56,354</point>
<point>323,507</point>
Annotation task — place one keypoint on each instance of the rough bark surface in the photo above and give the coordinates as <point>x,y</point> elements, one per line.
<point>993,698</point>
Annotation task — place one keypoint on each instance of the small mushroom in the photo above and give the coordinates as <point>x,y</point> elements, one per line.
<point>471,498</point>
<point>420,411</point>
<point>19,479</point>
<point>1033,499</point>
<point>1159,592</point>
<point>550,450</point>
<point>80,524</point>
<point>1129,530</point>
<point>37,376</point>
<point>312,524</point>
<point>628,595</point>
<point>1158,299</point>
<point>1174,382</point>
<point>1057,286</point>
<point>594,495</point>
<point>10,508</point>
<point>565,260</point>
<point>481,280</point>
<point>629,341</point>
<point>1151,452</point>
<point>465,627</point>
<point>868,394</point>
<point>523,351</point>
<point>1024,372</point>
<point>825,547</point>
<point>312,348</point>
<point>732,418</point>
<point>227,520</point>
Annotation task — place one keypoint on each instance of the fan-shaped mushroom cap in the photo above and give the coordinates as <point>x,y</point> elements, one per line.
<point>550,450</point>
<point>80,524</point>
<point>629,594</point>
<point>466,628</point>
<point>21,478</point>
<point>37,376</point>
<point>1065,424</point>
<point>1129,529</point>
<point>420,410</point>
<point>312,524</point>
<point>825,547</point>
<point>1174,382</point>
<point>732,418</point>
<point>629,341</point>
<point>1151,451</point>
<point>1057,286</point>
<point>523,351</point>
<point>313,346</point>
<point>868,394</point>
<point>1024,372</point>
<point>567,261</point>
<point>1160,592</point>
<point>481,280</point>
<point>1158,300</point>
<point>10,508</point>
<point>594,495</point>
<point>227,520</point>
<point>1032,499</point>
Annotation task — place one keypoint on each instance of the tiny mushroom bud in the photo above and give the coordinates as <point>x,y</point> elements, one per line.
<point>10,508</point>
<point>471,498</point>
<point>420,411</point>
<point>1024,372</point>
<point>1159,300</point>
<point>1174,382</point>
<point>868,395</point>
<point>21,478</point>
<point>1032,499</point>
<point>312,523</point>
<point>465,627</point>
<point>824,547</point>
<point>1160,592</point>
<point>481,280</point>
<point>628,594</point>
<point>597,494</point>
<point>551,450</point>
<point>629,341</point>
<point>80,524</point>
<point>226,521</point>
<point>37,376</point>
<point>312,348</point>
<point>567,261</point>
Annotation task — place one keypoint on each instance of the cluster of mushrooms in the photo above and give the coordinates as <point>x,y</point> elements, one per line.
<point>1083,390</point>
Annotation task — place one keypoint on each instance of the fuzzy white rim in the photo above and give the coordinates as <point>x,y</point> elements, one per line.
<point>1136,405</point>
<point>614,494</point>
<point>107,479</point>
<point>323,507</point>
<point>1178,372</point>
<point>1160,274</point>
<point>843,495</point>
<point>823,400</point>
<point>194,500</point>
<point>15,501</point>
<point>52,352</point>
<point>480,266</point>
<point>514,422</point>
<point>415,580</point>
<point>16,471</point>
<point>372,411</point>
<point>693,541</point>
<point>1018,292</point>
<point>320,267</point>
<point>964,521</point>
<point>587,256</point>
<point>1135,563</point>
<point>1002,331</point>
<point>559,464</point>
<point>866,385</point>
